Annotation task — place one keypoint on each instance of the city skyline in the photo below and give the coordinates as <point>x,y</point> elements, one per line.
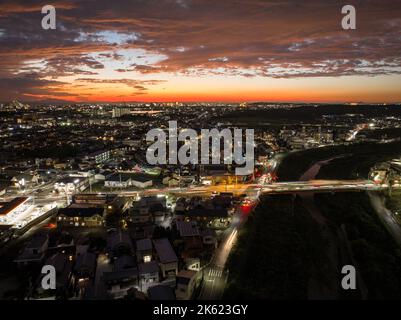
<point>192,51</point>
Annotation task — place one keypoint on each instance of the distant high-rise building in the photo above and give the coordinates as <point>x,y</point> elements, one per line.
<point>120,111</point>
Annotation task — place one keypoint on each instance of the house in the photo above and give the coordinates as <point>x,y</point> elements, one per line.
<point>215,174</point>
<point>85,266</point>
<point>149,209</point>
<point>22,180</point>
<point>171,182</point>
<point>124,262</point>
<point>158,212</point>
<point>193,247</point>
<point>180,208</point>
<point>61,243</point>
<point>118,180</point>
<point>209,237</point>
<point>71,184</point>
<point>161,292</point>
<point>123,277</point>
<point>149,201</point>
<point>111,203</point>
<point>193,264</point>
<point>186,284</point>
<point>144,250</point>
<point>187,229</point>
<point>223,200</point>
<point>60,165</point>
<point>195,238</point>
<point>34,252</point>
<point>168,260</point>
<point>125,180</point>
<point>140,215</point>
<point>142,231</point>
<point>148,274</point>
<point>99,156</point>
<point>218,217</point>
<point>188,178</point>
<point>118,283</point>
<point>80,217</point>
<point>141,181</point>
<point>120,243</point>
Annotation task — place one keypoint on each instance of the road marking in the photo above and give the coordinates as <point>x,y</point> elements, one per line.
<point>216,273</point>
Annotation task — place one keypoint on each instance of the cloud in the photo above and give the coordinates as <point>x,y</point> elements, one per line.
<point>139,86</point>
<point>249,38</point>
<point>30,86</point>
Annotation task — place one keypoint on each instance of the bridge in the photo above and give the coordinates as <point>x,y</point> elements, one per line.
<point>265,189</point>
<point>322,186</point>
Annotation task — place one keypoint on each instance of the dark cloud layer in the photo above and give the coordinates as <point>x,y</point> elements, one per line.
<point>276,38</point>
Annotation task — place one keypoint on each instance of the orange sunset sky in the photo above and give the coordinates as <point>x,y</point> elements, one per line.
<point>200,50</point>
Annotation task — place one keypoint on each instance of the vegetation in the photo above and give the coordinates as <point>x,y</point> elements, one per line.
<point>354,160</point>
<point>387,133</point>
<point>278,247</point>
<point>306,114</point>
<point>377,255</point>
<point>281,246</point>
<point>393,203</point>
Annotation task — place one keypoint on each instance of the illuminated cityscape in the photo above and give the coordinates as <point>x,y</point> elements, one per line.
<point>312,109</point>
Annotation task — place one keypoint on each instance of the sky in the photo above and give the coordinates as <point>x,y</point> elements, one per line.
<point>201,50</point>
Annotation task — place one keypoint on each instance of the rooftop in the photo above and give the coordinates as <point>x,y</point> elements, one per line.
<point>187,229</point>
<point>149,267</point>
<point>202,212</point>
<point>161,292</point>
<point>144,245</point>
<point>8,207</point>
<point>184,276</point>
<point>165,250</point>
<point>86,261</point>
<point>80,212</point>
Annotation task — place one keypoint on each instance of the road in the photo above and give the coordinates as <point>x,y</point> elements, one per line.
<point>386,216</point>
<point>274,188</point>
<point>45,198</point>
<point>214,275</point>
<point>322,186</point>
